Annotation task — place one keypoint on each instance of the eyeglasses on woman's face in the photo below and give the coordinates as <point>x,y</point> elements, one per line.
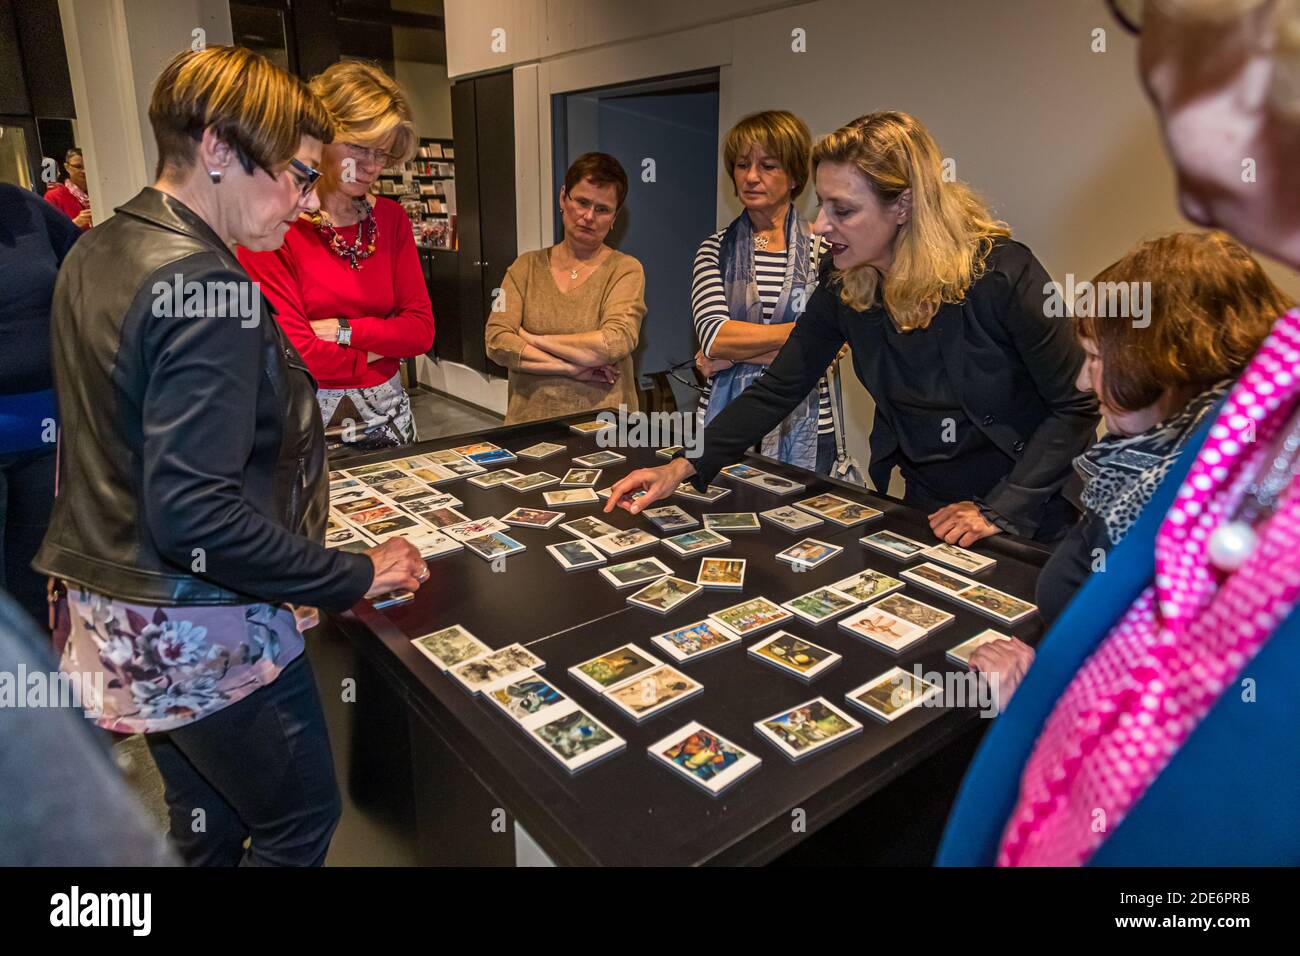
<point>373,154</point>
<point>304,176</point>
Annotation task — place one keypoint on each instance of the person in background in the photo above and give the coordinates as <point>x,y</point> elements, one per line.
<point>1159,724</point>
<point>34,238</point>
<point>70,196</point>
<point>193,482</point>
<point>947,318</point>
<point>347,284</point>
<point>571,314</point>
<point>752,280</point>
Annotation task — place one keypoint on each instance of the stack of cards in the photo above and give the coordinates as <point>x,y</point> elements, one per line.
<point>808,553</point>
<point>532,518</point>
<point>695,640</point>
<point>589,528</point>
<point>652,692</point>
<point>962,652</point>
<point>791,518</point>
<point>573,737</point>
<point>1002,607</point>
<point>892,694</point>
<point>537,480</point>
<point>575,555</point>
<point>763,479</point>
<point>688,490</point>
<point>808,728</point>
<point>474,529</point>
<point>450,646</point>
<point>493,667</point>
<point>794,656</point>
<point>483,453</point>
<point>624,542</point>
<point>704,758</point>
<point>670,518</point>
<point>868,585</point>
<point>665,594</point>
<point>580,478</point>
<point>959,558</point>
<point>896,622</point>
<point>691,543</point>
<point>724,521</point>
<point>726,573</point>
<point>541,450</point>
<point>433,544</point>
<point>895,545</point>
<point>590,428</point>
<point>600,459</point>
<point>630,573</point>
<point>570,496</point>
<point>494,478</point>
<point>841,511</point>
<point>613,668</point>
<point>750,617</point>
<point>821,604</point>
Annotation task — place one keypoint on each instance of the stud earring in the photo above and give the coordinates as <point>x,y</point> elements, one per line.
<point>214,175</point>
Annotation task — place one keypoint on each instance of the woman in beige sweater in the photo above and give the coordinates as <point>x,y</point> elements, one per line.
<point>569,316</point>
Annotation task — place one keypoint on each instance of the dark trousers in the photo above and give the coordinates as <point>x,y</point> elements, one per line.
<point>259,769</point>
<point>26,497</point>
<point>825,453</point>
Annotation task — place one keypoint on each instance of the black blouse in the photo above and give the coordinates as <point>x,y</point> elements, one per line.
<point>999,364</point>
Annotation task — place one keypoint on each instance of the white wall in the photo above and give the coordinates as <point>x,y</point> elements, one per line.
<point>116,49</point>
<point>1059,139</point>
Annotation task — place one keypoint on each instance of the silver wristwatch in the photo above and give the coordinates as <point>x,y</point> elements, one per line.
<point>343,337</point>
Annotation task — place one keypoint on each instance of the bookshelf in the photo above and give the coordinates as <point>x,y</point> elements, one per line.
<point>426,189</point>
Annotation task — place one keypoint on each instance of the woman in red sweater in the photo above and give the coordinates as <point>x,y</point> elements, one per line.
<point>70,196</point>
<point>347,285</point>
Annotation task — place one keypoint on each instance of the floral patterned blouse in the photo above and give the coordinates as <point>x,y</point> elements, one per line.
<point>164,667</point>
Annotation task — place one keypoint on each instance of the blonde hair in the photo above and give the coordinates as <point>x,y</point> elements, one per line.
<point>255,107</point>
<point>942,247</point>
<point>367,106</point>
<point>777,132</point>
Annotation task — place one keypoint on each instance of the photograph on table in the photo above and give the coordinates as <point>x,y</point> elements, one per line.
<point>349,495</point>
<point>840,511</point>
<point>528,700</point>
<point>446,456</point>
<point>432,544</point>
<point>359,505</point>
<point>704,758</point>
<point>868,585</point>
<point>511,661</point>
<point>962,652</point>
<point>653,692</point>
<point>442,517</point>
<point>937,579</point>
<point>640,571</point>
<point>361,471</point>
<point>624,542</point>
<point>722,521</point>
<point>808,728</point>
<point>543,449</point>
<point>494,544</point>
<point>893,694</point>
<point>917,612</point>
<point>589,528</point>
<point>408,498</point>
<point>664,595</point>
<point>821,604</point>
<point>1002,607</point>
<point>750,617</point>
<point>791,518</point>
<point>695,640</point>
<point>670,518</point>
<point>570,496</point>
<point>344,536</point>
<point>580,478</point>
<point>895,545</point>
<point>389,527</point>
<point>474,448</point>
<point>434,499</point>
<point>576,739</point>
<point>600,459</point>
<point>613,667</point>
<point>575,555</point>
<point>670,451</point>
<point>437,474</point>
<point>959,558</point>
<point>474,528</point>
<point>887,631</point>
<point>533,482</point>
<point>590,428</point>
<point>379,477</point>
<point>695,542</point>
<point>688,490</point>
<point>494,478</point>
<point>450,646</point>
<point>765,480</point>
<point>532,518</point>
<point>726,573</point>
<point>390,489</point>
<point>794,656</point>
<point>462,469</point>
<point>494,457</point>
<point>808,553</point>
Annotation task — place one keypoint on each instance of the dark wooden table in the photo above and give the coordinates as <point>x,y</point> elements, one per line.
<point>471,768</point>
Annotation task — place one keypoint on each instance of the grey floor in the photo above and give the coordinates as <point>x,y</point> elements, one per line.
<point>362,838</point>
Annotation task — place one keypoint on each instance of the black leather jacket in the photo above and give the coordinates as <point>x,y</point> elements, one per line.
<point>192,457</point>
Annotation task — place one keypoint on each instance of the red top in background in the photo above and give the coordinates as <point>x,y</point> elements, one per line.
<point>385,301</point>
<point>62,199</point>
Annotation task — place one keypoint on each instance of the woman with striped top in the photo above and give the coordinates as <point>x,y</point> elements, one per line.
<point>752,280</point>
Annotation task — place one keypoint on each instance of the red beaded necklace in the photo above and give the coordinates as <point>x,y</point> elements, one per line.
<point>362,246</point>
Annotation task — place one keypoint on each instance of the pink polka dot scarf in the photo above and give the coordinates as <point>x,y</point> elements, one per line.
<point>1183,642</point>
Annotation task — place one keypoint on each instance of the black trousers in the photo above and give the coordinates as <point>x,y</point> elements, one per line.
<point>26,497</point>
<point>260,770</point>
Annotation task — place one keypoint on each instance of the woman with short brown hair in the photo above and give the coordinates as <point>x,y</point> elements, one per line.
<point>192,474</point>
